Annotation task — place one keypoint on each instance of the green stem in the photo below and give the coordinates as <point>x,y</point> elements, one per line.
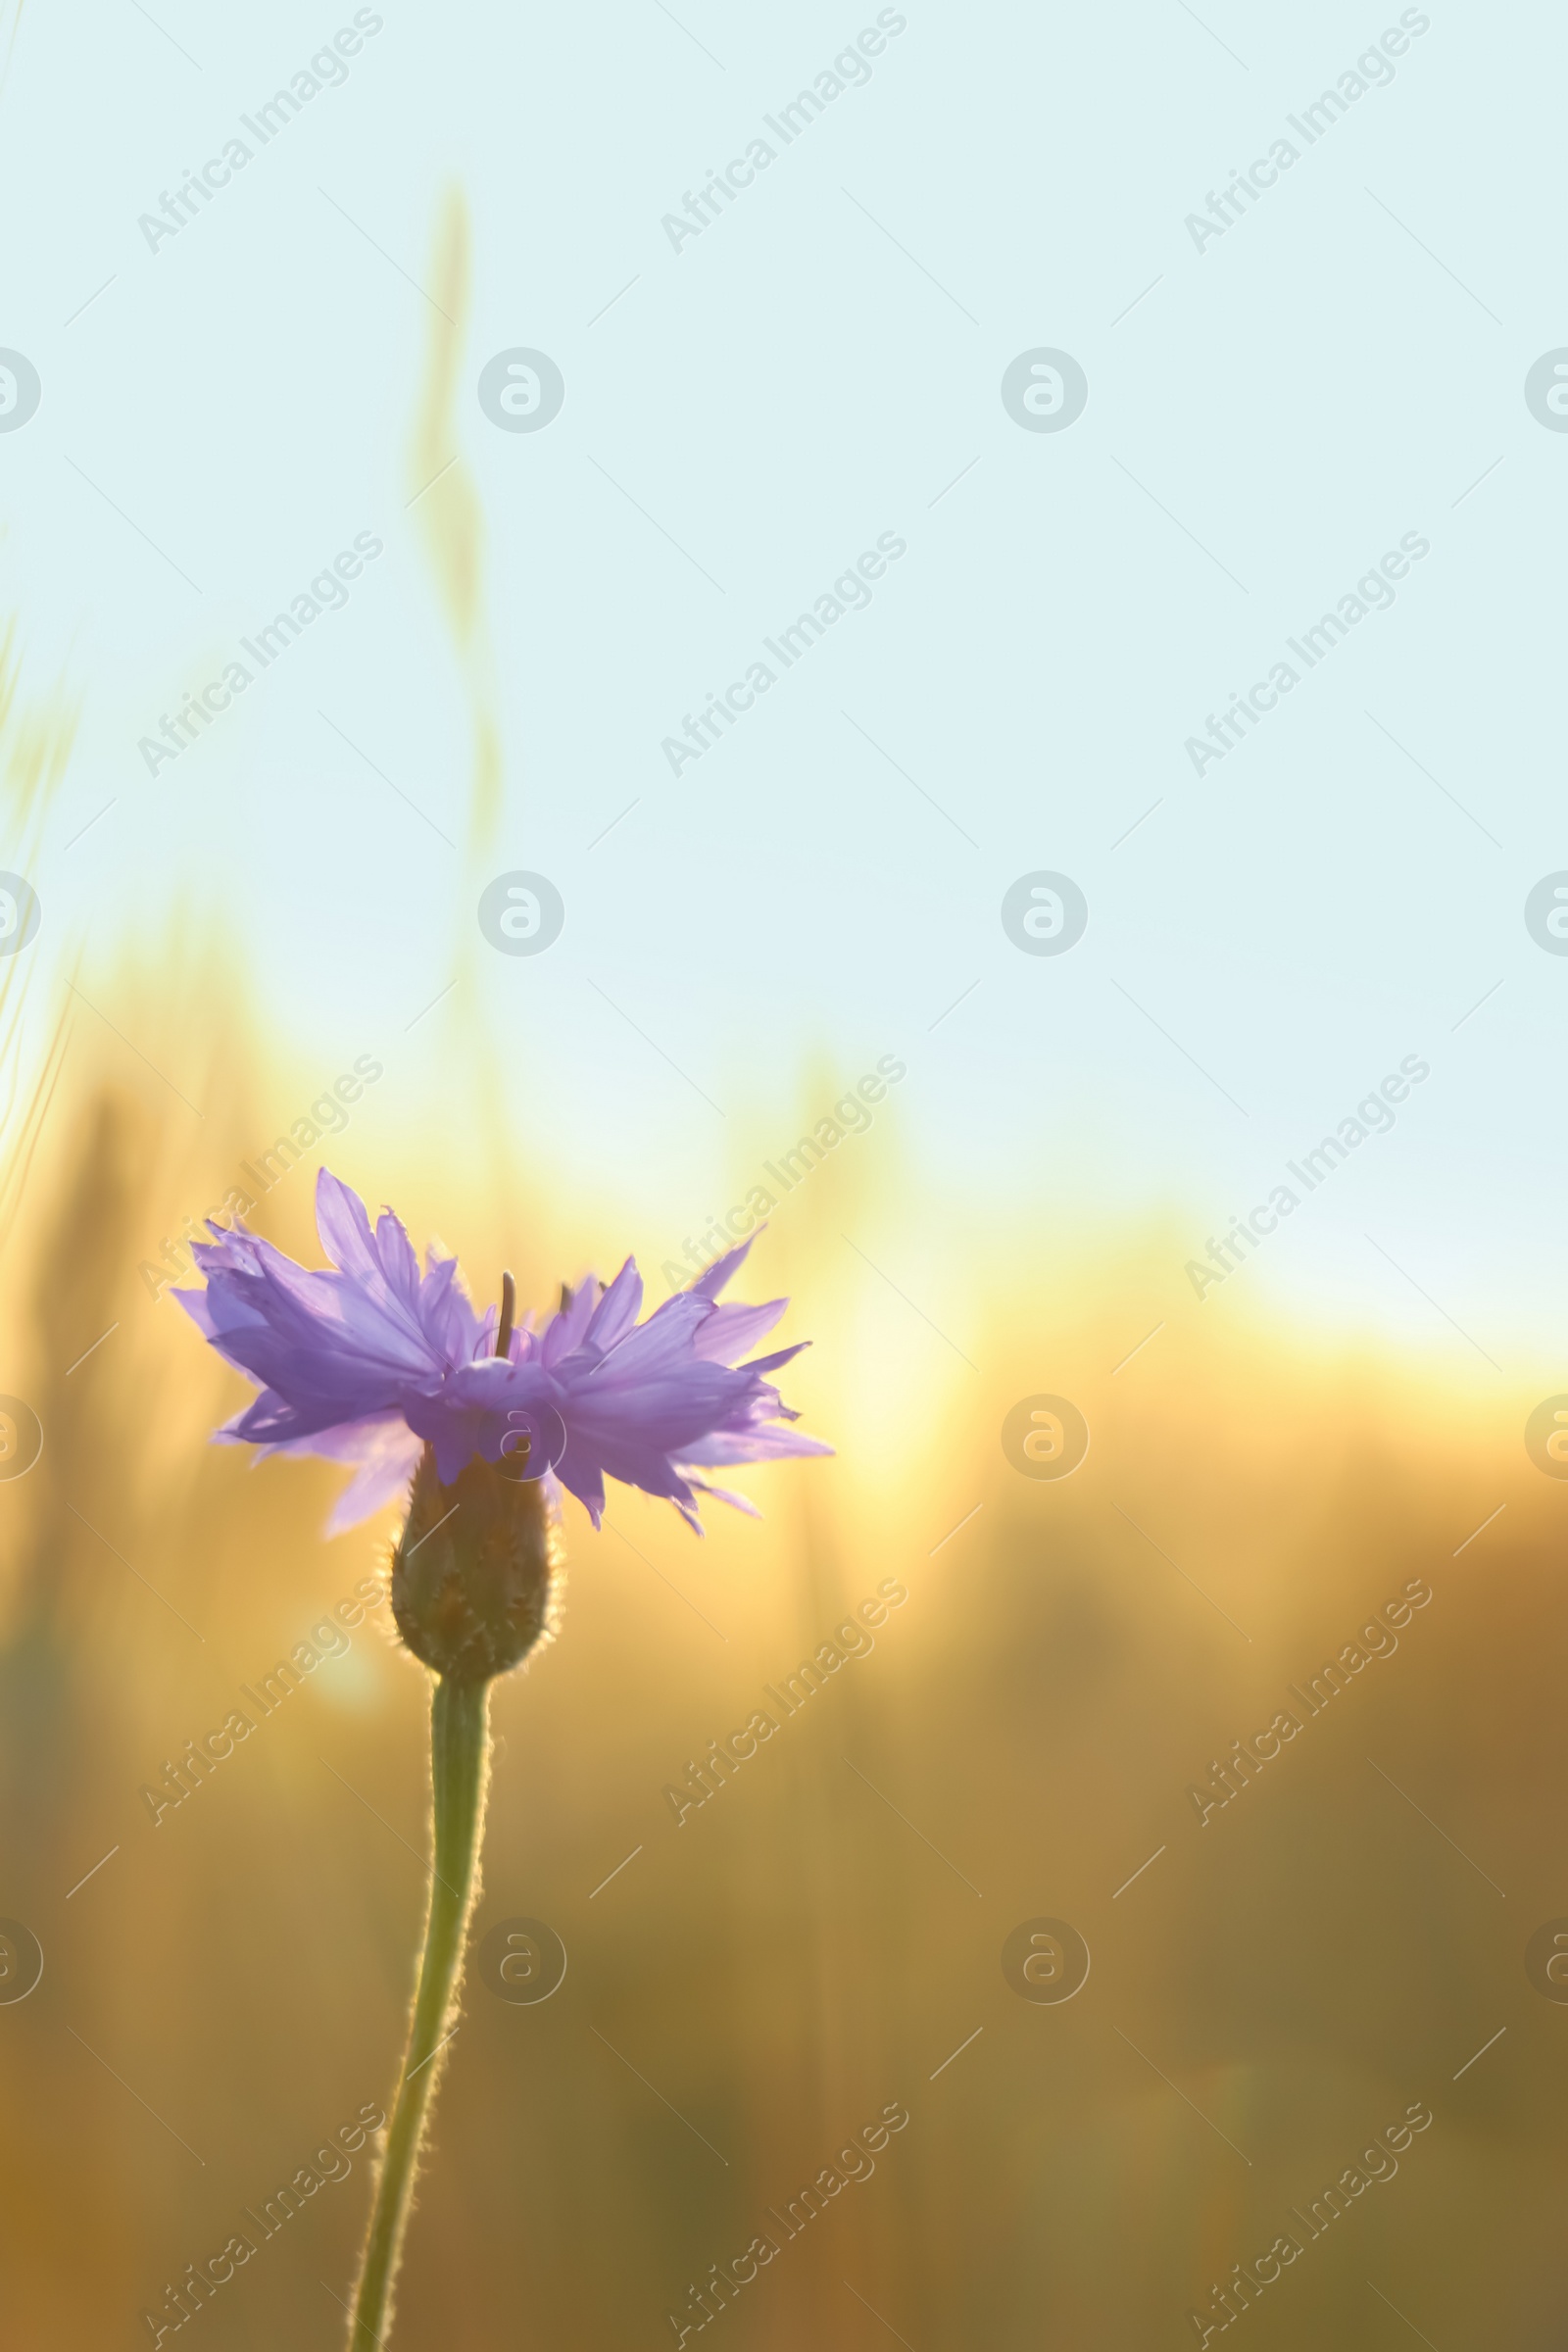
<point>458,1760</point>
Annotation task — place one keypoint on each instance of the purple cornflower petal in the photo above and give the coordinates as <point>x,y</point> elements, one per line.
<point>730,1330</point>
<point>384,1452</point>
<point>369,1359</point>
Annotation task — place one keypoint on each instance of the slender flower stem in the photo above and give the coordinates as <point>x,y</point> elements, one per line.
<point>459,1773</point>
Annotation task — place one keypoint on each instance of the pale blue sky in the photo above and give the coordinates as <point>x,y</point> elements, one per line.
<point>822,365</point>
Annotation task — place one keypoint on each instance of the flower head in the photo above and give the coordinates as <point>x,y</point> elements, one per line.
<point>371,1360</point>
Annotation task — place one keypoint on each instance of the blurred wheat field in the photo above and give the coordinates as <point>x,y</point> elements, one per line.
<point>765,1977</point>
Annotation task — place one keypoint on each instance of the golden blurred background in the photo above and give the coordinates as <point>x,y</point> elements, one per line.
<point>224,1989</point>
<point>227,1989</point>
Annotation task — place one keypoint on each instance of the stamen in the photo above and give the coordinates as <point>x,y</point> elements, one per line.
<point>509,1309</point>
